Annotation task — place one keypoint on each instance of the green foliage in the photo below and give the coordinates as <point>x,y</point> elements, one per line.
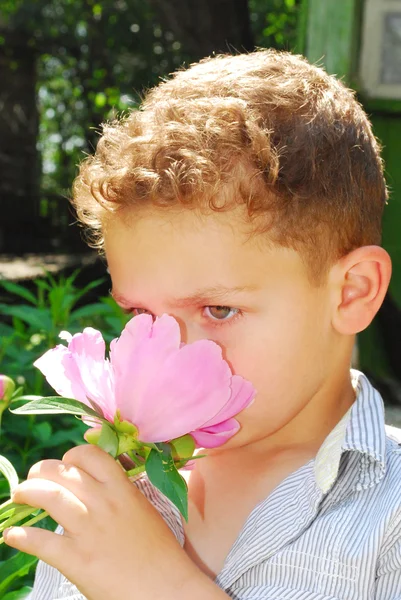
<point>34,325</point>
<point>35,318</point>
<point>20,594</point>
<point>94,59</point>
<point>274,23</point>
<point>53,405</point>
<point>16,567</point>
<point>8,471</point>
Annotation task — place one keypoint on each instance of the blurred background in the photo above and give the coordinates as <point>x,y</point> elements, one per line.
<point>66,66</point>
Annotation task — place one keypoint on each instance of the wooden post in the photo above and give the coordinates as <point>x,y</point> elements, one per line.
<point>330,33</point>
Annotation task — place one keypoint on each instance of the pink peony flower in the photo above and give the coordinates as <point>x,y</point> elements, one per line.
<point>7,388</point>
<point>165,388</point>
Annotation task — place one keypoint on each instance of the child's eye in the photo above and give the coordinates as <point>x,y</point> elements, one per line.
<point>217,315</point>
<point>136,311</point>
<point>221,313</point>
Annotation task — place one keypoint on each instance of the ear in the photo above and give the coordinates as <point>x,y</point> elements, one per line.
<point>361,279</point>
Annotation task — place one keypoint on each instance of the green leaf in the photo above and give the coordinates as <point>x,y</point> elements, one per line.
<point>42,284</point>
<point>43,431</point>
<point>54,405</point>
<point>73,436</point>
<point>35,317</point>
<point>19,290</point>
<point>108,440</point>
<point>7,469</point>
<point>28,398</point>
<point>96,308</point>
<point>9,508</point>
<point>163,474</point>
<point>20,594</point>
<point>93,284</point>
<point>17,393</point>
<point>15,567</point>
<point>183,446</point>
<point>4,489</point>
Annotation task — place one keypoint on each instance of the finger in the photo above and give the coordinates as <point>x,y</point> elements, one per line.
<point>61,504</point>
<point>82,485</point>
<point>95,462</point>
<point>50,547</point>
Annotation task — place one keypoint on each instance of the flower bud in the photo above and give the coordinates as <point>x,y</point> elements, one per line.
<point>183,447</point>
<point>7,389</point>
<point>92,435</point>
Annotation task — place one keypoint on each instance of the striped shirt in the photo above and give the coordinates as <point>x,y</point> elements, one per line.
<point>330,531</point>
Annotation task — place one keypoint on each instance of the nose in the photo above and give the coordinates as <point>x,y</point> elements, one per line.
<point>190,332</point>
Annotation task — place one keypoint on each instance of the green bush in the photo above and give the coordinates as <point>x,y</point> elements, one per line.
<point>34,321</point>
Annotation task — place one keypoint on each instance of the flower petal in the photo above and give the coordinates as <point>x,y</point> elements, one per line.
<point>168,398</point>
<point>137,356</point>
<point>125,350</point>
<point>242,395</point>
<point>88,350</point>
<point>88,343</point>
<point>217,435</point>
<point>62,373</point>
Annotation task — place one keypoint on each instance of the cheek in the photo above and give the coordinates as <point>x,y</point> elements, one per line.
<point>272,354</point>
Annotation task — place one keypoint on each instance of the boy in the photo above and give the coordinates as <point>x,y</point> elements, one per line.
<point>245,199</point>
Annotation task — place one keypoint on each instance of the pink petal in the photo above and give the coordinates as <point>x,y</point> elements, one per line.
<point>62,373</point>
<point>88,350</point>
<point>242,395</point>
<point>170,397</point>
<point>212,437</point>
<point>136,357</point>
<point>80,371</point>
<point>89,343</point>
<point>164,334</point>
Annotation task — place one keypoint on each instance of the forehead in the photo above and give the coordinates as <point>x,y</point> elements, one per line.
<point>160,235</point>
<point>180,251</point>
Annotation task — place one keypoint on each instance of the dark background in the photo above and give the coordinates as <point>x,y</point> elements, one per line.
<point>66,66</point>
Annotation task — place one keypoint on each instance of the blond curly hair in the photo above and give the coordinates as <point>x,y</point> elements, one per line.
<point>265,129</point>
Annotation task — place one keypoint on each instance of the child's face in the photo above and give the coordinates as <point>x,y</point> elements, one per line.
<point>222,284</point>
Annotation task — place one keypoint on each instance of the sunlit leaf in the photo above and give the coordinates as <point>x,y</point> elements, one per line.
<point>19,290</point>
<point>7,469</point>
<point>21,594</point>
<point>54,405</point>
<point>161,470</point>
<point>183,446</point>
<point>17,566</point>
<point>108,440</point>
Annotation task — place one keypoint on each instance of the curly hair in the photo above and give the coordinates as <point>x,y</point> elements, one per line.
<point>265,129</point>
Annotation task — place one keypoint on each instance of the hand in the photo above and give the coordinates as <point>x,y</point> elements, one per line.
<point>114,539</point>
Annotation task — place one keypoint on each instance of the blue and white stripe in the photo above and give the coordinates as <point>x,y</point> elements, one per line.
<point>330,531</point>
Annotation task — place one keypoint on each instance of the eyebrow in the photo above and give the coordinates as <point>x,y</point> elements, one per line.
<point>201,296</point>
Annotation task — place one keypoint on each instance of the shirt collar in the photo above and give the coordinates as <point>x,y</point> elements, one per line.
<point>362,429</point>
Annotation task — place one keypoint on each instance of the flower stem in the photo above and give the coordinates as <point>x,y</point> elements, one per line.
<point>32,521</point>
<point>136,471</point>
<point>36,519</point>
<point>17,517</point>
<point>5,505</point>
